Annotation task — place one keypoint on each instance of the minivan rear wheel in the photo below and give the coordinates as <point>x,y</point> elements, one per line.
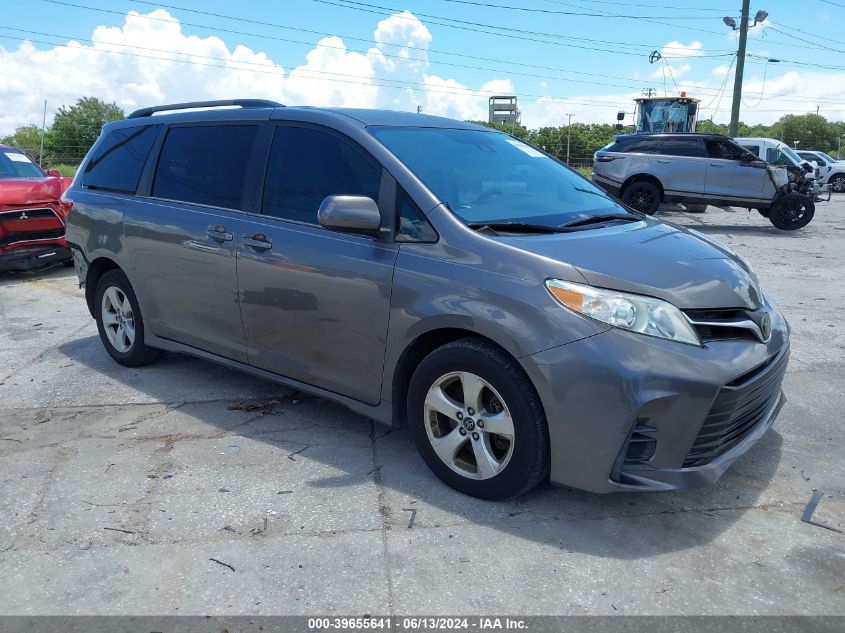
<point>643,196</point>
<point>119,321</point>
<point>477,421</point>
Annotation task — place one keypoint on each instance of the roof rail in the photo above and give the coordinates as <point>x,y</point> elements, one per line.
<point>244,103</point>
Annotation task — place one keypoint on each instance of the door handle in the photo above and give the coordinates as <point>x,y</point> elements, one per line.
<point>662,160</point>
<point>716,165</point>
<point>218,232</point>
<point>259,242</point>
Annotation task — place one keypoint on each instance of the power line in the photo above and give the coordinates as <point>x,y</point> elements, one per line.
<point>801,39</point>
<point>604,14</point>
<point>385,54</point>
<point>382,10</point>
<point>792,28</point>
<point>642,48</point>
<point>425,88</point>
<point>273,64</point>
<point>649,6</point>
<point>274,71</point>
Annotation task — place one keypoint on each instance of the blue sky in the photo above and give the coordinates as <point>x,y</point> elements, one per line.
<point>557,64</point>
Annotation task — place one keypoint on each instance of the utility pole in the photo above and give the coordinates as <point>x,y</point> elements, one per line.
<point>740,68</point>
<point>43,125</point>
<point>568,135</point>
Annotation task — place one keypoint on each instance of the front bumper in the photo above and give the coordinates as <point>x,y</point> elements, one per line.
<point>627,412</point>
<point>30,258</point>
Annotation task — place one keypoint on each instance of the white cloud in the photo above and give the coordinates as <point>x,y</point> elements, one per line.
<point>150,59</point>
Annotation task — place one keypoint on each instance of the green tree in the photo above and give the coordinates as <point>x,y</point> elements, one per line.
<point>519,131</point>
<point>27,139</point>
<point>75,128</point>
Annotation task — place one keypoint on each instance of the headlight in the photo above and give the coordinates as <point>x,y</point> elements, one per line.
<point>635,313</point>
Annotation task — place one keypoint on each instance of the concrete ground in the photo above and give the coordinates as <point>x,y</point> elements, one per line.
<point>186,488</point>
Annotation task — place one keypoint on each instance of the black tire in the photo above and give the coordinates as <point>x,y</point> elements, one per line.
<point>528,460</point>
<point>695,207</point>
<point>763,212</point>
<point>837,183</point>
<point>138,353</point>
<point>642,195</point>
<point>793,211</point>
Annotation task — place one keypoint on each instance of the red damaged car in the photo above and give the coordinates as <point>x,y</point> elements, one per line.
<point>32,214</point>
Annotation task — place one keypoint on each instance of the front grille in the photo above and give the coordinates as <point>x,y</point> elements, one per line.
<point>739,407</point>
<point>726,324</point>
<point>28,236</point>
<point>30,214</point>
<point>26,225</point>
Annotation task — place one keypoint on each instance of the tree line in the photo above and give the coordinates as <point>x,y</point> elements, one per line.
<point>76,128</point>
<point>805,131</point>
<point>73,132</point>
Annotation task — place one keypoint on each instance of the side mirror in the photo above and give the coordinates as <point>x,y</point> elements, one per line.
<point>349,214</point>
<point>619,126</point>
<point>54,173</point>
<point>620,115</point>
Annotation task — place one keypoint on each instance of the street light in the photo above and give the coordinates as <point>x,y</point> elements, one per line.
<point>729,22</point>
<point>760,16</point>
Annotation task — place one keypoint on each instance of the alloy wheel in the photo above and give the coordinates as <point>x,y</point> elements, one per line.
<point>838,184</point>
<point>641,199</point>
<point>118,319</point>
<point>469,425</point>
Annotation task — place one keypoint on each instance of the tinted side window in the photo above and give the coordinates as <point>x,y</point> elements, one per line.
<point>411,224</point>
<point>754,149</point>
<point>639,146</point>
<point>683,147</point>
<point>120,158</point>
<point>205,164</point>
<point>717,148</point>
<point>307,165</point>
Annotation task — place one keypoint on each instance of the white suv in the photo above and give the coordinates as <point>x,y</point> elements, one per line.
<point>831,172</point>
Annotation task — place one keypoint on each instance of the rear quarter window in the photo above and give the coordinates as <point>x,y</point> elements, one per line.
<point>119,159</point>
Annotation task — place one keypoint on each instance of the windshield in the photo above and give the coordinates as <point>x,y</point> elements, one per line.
<point>15,164</point>
<point>491,177</point>
<point>786,149</point>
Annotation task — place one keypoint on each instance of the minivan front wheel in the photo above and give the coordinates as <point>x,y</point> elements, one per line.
<point>477,421</point>
<point>642,196</point>
<point>119,321</point>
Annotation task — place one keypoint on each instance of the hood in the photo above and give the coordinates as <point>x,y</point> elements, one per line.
<point>654,258</point>
<point>16,192</point>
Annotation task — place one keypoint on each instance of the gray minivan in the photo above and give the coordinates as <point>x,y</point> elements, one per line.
<point>433,273</point>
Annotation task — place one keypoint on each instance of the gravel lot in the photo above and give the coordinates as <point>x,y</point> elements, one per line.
<point>186,488</point>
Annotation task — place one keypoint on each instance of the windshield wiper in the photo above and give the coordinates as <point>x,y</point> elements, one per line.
<point>597,219</point>
<point>516,227</point>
